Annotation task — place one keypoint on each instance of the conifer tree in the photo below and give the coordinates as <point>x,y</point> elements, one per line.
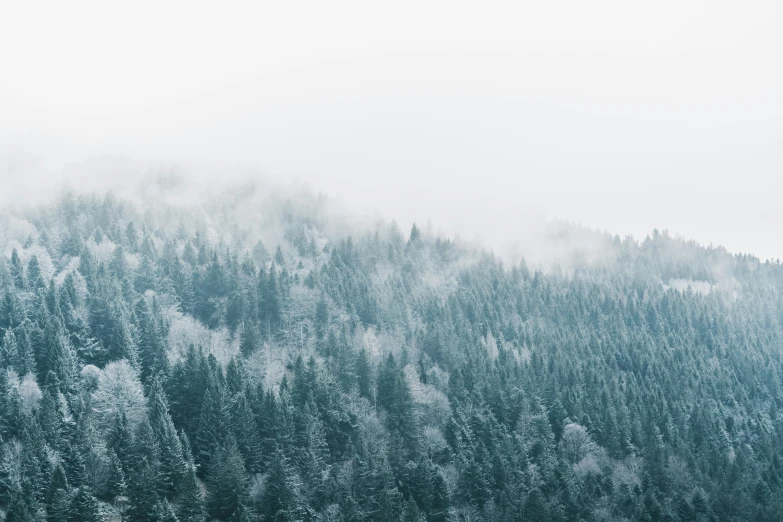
<point>84,507</point>
<point>59,507</point>
<point>116,484</point>
<point>228,483</point>
<point>142,491</point>
<point>151,347</point>
<point>17,271</point>
<point>246,433</point>
<point>282,500</point>
<point>58,481</point>
<point>164,512</point>
<point>24,362</point>
<point>363,373</point>
<point>35,278</point>
<point>8,349</point>
<point>191,503</point>
<point>11,311</point>
<point>21,510</point>
<point>119,442</point>
<point>249,340</point>
<point>172,463</point>
<point>210,434</point>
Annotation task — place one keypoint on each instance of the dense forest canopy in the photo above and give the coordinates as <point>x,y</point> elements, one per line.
<point>257,356</point>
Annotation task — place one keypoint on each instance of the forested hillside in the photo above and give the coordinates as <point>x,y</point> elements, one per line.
<point>258,358</point>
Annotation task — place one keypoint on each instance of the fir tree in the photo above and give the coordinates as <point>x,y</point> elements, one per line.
<point>227,482</point>
<point>116,486</point>
<point>191,503</point>
<point>84,507</point>
<point>172,463</point>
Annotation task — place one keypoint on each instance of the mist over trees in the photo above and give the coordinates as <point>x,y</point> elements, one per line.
<point>258,357</point>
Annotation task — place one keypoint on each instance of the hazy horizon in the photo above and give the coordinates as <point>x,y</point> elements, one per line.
<point>262,261</point>
<point>619,118</point>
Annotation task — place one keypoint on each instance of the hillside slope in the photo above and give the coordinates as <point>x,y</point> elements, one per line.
<point>258,357</point>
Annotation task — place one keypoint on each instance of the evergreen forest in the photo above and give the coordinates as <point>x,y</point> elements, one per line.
<point>260,357</point>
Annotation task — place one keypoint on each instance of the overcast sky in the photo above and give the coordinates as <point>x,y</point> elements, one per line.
<point>480,117</point>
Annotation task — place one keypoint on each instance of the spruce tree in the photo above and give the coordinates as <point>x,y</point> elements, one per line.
<point>249,340</point>
<point>21,510</point>
<point>17,271</point>
<point>172,463</point>
<point>246,433</point>
<point>191,502</point>
<point>119,441</point>
<point>84,507</point>
<point>282,499</point>
<point>59,507</point>
<point>363,373</point>
<point>142,491</point>
<point>227,483</point>
<point>210,433</point>
<point>164,512</point>
<point>116,484</point>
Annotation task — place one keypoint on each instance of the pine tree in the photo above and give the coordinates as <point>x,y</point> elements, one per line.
<point>58,509</point>
<point>246,433</point>
<point>121,344</point>
<point>151,347</point>
<point>116,486</point>
<point>191,503</point>
<point>282,500</point>
<point>314,461</point>
<point>387,379</point>
<point>172,463</point>
<point>249,340</point>
<point>235,378</point>
<point>8,349</point>
<point>146,278</point>
<point>24,362</point>
<point>35,465</point>
<point>21,510</point>
<point>11,416</point>
<point>235,308</point>
<point>271,301</point>
<point>118,268</point>
<point>145,447</point>
<point>61,358</point>
<point>321,318</point>
<point>34,277</point>
<point>210,433</point>
<point>84,507</point>
<point>411,512</point>
<point>58,481</point>
<point>227,483</point>
<point>363,373</point>
<point>142,494</point>
<point>17,271</point>
<point>11,311</point>
<point>73,462</point>
<point>103,315</point>
<point>50,416</point>
<point>119,442</point>
<point>401,413</point>
<point>164,512</point>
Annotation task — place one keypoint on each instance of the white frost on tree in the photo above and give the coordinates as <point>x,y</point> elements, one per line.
<point>491,346</point>
<point>119,389</point>
<point>432,404</point>
<point>29,392</point>
<point>576,443</point>
<point>103,251</point>
<point>184,331</point>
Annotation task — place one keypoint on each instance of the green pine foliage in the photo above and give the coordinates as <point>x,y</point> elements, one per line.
<point>354,375</point>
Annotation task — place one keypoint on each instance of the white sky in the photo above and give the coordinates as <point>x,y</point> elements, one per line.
<point>479,116</point>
